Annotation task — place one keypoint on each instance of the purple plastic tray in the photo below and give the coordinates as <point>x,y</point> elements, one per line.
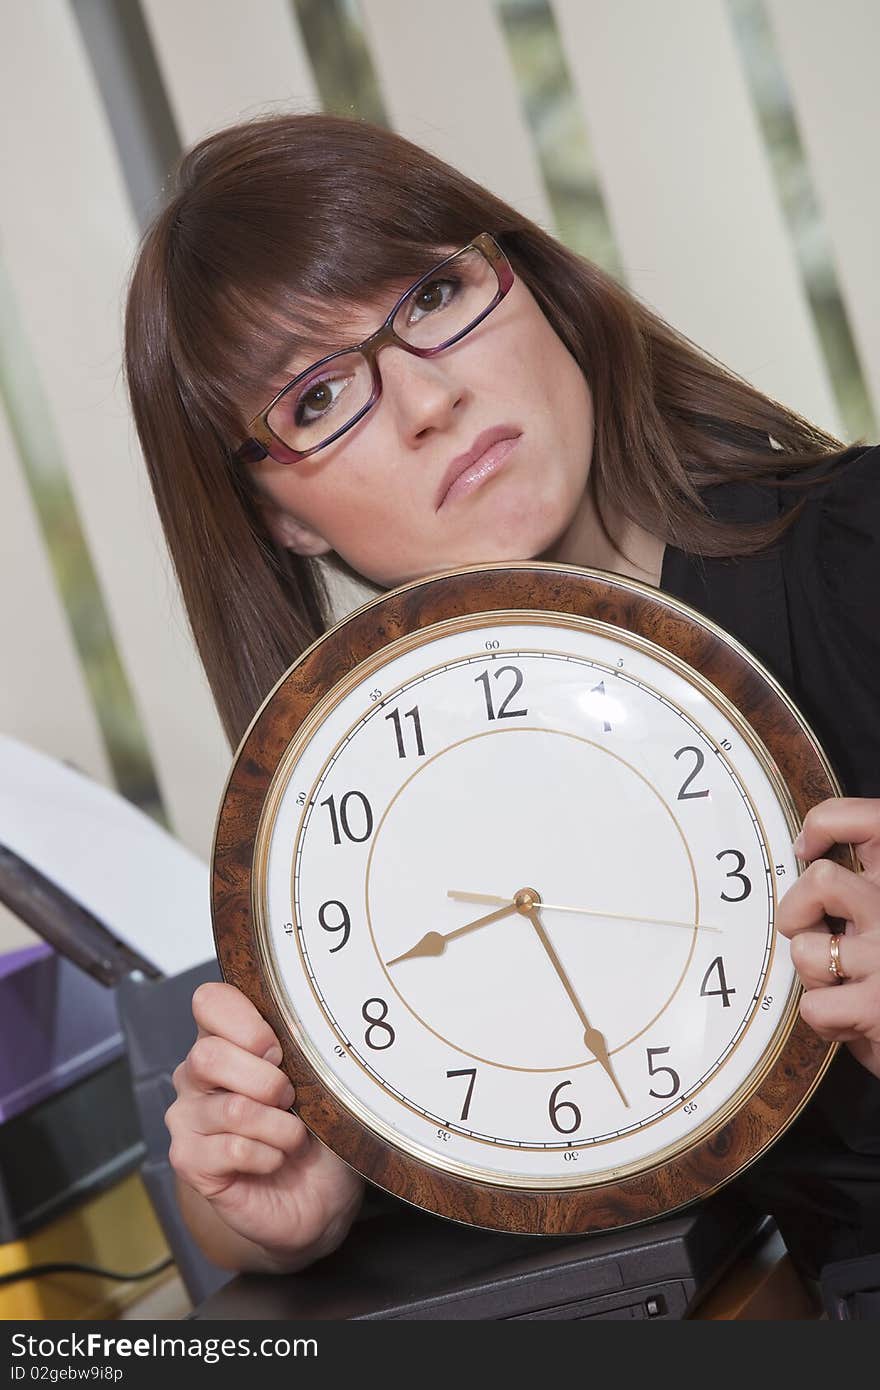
<point>57,1025</point>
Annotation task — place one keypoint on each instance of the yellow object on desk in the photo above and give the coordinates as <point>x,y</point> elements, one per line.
<point>116,1230</point>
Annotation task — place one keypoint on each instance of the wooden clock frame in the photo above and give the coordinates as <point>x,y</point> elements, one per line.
<point>486,590</point>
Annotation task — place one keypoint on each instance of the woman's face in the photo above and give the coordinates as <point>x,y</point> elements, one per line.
<point>380,496</point>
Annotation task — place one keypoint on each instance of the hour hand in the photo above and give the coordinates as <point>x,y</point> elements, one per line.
<point>433,943</point>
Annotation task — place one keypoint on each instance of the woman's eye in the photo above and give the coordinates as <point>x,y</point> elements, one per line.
<point>436,294</point>
<point>317,399</point>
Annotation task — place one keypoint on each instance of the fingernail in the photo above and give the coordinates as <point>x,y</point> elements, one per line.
<point>273,1055</point>
<point>288,1098</point>
<point>799,846</point>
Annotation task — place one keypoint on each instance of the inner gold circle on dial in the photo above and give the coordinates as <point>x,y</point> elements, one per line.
<point>485,991</point>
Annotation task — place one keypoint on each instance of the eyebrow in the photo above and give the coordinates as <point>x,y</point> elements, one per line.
<point>312,346</point>
<point>309,346</point>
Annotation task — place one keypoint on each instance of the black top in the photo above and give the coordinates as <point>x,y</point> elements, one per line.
<point>809,610</point>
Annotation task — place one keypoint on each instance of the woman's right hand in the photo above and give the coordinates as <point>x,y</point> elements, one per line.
<point>235,1141</point>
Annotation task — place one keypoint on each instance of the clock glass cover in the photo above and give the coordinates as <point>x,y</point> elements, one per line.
<point>626,835</point>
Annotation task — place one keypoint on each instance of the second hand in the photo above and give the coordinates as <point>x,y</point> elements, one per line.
<point>585,912</point>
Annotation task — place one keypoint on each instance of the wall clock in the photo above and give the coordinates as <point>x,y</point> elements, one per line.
<point>499,860</point>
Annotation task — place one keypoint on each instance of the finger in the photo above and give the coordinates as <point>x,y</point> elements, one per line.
<point>223,1011</point>
<point>227,1112</point>
<point>216,1159</point>
<point>216,1064</point>
<point>839,821</point>
<point>844,1014</point>
<point>858,957</point>
<point>826,889</point>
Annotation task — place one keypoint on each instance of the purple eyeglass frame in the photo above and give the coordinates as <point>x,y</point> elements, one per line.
<point>263,442</point>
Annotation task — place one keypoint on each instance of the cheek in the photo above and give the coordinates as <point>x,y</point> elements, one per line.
<point>371,521</point>
<point>336,497</point>
<point>544,383</point>
<point>561,390</point>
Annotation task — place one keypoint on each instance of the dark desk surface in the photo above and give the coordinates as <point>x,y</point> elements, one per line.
<point>407,1264</point>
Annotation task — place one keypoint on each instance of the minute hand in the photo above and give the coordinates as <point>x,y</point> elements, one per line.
<point>593,1039</point>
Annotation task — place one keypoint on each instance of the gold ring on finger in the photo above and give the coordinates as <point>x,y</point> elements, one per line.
<point>834,963</point>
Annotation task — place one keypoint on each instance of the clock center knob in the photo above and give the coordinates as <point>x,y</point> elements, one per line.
<point>526,899</point>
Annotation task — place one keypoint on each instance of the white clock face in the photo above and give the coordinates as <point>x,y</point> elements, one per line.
<point>628,998</point>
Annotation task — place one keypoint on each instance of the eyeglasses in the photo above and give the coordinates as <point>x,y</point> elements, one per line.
<point>325,400</point>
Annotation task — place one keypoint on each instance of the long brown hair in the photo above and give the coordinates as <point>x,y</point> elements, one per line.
<point>271,221</point>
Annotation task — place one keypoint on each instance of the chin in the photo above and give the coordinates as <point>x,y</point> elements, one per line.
<point>527,537</point>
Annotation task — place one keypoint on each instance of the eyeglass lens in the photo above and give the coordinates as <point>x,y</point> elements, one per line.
<point>439,309</point>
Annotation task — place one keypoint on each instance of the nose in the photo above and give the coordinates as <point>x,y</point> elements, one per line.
<point>423,392</point>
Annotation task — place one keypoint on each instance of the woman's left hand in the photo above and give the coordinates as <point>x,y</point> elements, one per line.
<point>848,1010</point>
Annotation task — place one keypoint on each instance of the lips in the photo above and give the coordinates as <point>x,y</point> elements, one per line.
<point>484,457</point>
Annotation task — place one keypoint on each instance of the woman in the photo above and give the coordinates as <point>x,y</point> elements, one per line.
<point>563,421</point>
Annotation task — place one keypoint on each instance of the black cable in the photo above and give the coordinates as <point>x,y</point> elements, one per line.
<point>70,1267</point>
